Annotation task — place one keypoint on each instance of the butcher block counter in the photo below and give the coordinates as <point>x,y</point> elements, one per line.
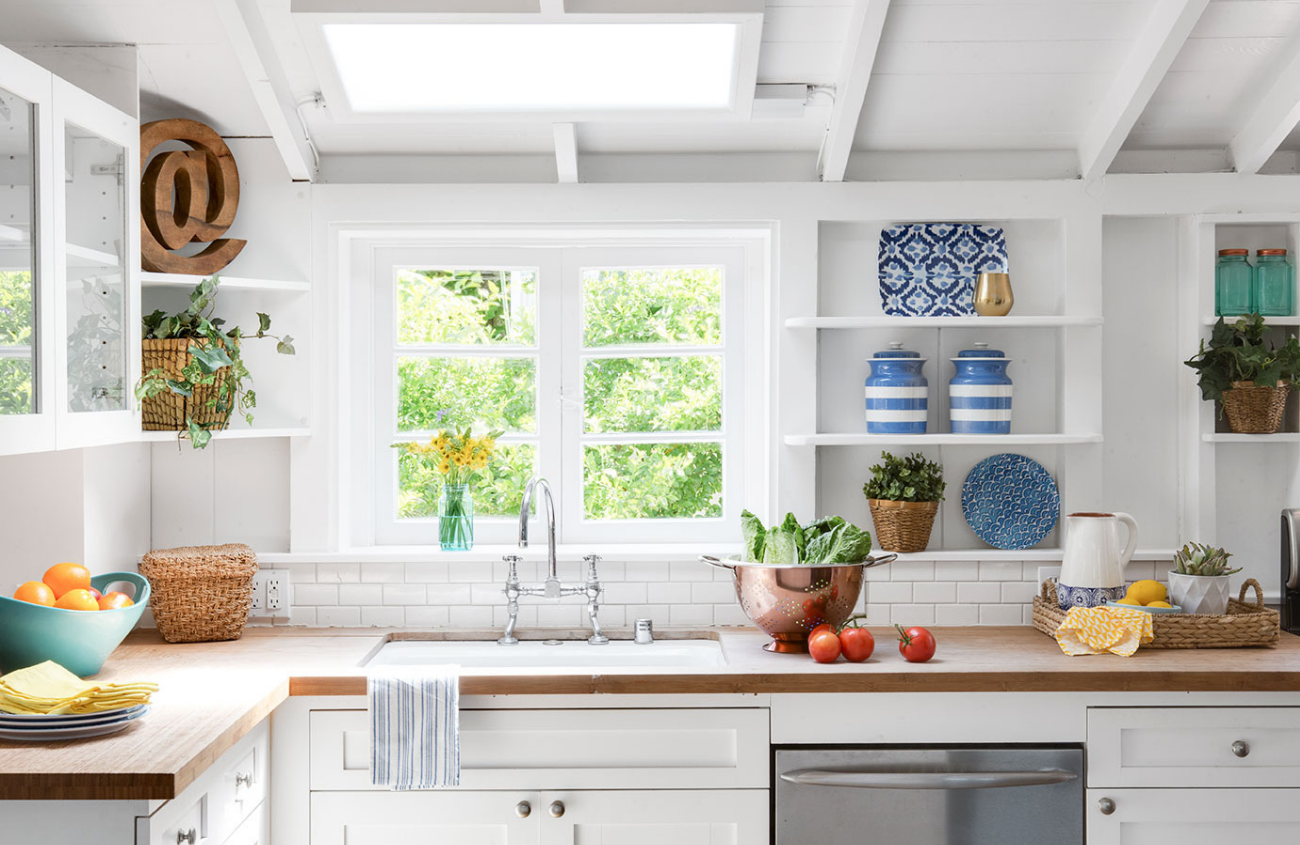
<point>212,694</point>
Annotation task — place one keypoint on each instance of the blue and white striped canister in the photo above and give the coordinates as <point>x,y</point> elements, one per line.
<point>896,392</point>
<point>979,395</point>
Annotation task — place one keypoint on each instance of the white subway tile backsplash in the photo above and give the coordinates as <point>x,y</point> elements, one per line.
<point>889,592</point>
<point>878,615</point>
<point>467,616</point>
<point>404,594</point>
<point>383,617</point>
<point>337,573</point>
<point>361,594</point>
<point>670,593</point>
<point>485,594</point>
<point>559,616</point>
<point>1018,592</point>
<point>691,614</point>
<point>427,617</point>
<point>469,571</point>
<point>908,615</point>
<point>689,570</point>
<point>646,570</point>
<point>957,570</point>
<point>979,592</point>
<point>625,592</point>
<point>715,592</point>
<point>1000,570</point>
<point>956,614</point>
<point>1000,614</point>
<point>305,616</point>
<point>382,573</point>
<point>307,595</point>
<point>611,570</point>
<point>728,614</point>
<point>299,573</point>
<point>338,617</point>
<point>933,592</point>
<point>426,573</point>
<point>911,570</point>
<point>450,594</point>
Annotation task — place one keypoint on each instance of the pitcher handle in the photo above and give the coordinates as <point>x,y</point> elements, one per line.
<point>1131,547</point>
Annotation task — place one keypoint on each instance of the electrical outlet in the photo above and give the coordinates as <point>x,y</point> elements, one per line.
<point>1045,572</point>
<point>271,595</point>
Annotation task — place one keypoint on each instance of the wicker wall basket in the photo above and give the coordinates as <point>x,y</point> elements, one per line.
<point>1254,410</point>
<point>1245,623</point>
<point>168,411</point>
<point>902,526</point>
<point>201,594</point>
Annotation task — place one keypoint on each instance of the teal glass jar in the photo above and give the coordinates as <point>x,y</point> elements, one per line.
<point>1233,284</point>
<point>1274,284</point>
<point>456,518</point>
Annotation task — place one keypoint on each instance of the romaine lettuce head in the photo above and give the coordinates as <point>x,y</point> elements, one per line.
<point>845,543</point>
<point>785,542</point>
<point>751,528</point>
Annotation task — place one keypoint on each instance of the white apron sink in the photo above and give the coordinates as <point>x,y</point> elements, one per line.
<point>529,654</point>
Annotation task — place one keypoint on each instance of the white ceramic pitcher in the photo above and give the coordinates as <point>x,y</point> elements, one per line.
<point>1092,569</point>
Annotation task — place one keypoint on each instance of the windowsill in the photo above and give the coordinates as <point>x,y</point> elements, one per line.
<point>491,553</point>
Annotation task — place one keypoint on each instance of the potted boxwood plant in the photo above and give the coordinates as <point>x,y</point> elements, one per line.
<point>1200,583</point>
<point>904,496</point>
<point>1250,375</point>
<point>194,375</point>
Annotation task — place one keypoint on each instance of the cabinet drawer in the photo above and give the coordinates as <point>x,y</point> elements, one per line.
<point>569,749</point>
<point>1192,816</point>
<point>1194,746</point>
<point>189,822</point>
<point>242,783</point>
<point>255,829</point>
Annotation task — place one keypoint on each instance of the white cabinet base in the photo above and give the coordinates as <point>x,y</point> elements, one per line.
<point>1193,816</point>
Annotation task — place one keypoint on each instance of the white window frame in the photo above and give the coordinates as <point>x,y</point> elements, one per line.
<point>560,357</point>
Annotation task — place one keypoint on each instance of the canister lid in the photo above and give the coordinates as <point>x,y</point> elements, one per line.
<point>981,350</point>
<point>896,350</point>
<point>1270,252</point>
<point>1234,252</point>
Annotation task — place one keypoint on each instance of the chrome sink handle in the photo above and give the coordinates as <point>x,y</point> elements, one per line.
<point>593,589</point>
<point>512,591</point>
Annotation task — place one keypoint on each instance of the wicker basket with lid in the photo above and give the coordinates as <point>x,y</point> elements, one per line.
<point>200,593</point>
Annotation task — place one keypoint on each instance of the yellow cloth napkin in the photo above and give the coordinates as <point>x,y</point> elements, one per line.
<point>1094,630</point>
<point>48,688</point>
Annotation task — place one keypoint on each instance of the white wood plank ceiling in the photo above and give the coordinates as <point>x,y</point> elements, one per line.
<point>901,89</point>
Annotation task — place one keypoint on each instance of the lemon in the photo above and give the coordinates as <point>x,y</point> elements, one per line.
<point>1129,601</point>
<point>1159,604</point>
<point>1145,592</point>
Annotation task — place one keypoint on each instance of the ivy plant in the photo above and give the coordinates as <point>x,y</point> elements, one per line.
<point>1240,352</point>
<point>910,479</point>
<point>213,349</point>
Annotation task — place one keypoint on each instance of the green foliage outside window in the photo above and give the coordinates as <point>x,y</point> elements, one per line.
<point>16,330</point>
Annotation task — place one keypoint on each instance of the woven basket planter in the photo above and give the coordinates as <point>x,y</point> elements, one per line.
<point>902,526</point>
<point>1255,410</point>
<point>201,594</point>
<point>1245,623</point>
<point>168,411</point>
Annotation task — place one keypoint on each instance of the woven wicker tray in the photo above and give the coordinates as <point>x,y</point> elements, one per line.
<point>1245,624</point>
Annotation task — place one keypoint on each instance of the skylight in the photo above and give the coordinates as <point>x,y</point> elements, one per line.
<point>534,67</point>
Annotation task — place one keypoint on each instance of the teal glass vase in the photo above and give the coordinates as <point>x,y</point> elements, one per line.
<point>1233,286</point>
<point>456,518</point>
<point>1274,284</point>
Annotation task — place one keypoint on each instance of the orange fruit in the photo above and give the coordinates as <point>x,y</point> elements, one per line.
<point>63,577</point>
<point>36,592</point>
<point>114,601</point>
<point>77,600</point>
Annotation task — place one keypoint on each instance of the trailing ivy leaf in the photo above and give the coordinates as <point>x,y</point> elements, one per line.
<point>210,358</point>
<point>285,346</point>
<point>179,387</point>
<point>263,323</point>
<point>199,436</point>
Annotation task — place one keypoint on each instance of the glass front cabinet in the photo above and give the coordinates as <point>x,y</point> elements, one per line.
<point>69,277</point>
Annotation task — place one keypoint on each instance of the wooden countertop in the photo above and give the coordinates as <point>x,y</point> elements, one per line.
<point>212,694</point>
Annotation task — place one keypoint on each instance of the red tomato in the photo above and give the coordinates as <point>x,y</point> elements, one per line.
<point>825,647</point>
<point>857,644</point>
<point>915,644</point>
<point>825,626</point>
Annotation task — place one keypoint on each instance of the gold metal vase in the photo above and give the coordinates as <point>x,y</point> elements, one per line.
<point>993,297</point>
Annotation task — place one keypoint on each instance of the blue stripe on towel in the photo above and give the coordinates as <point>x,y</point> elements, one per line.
<point>414,727</point>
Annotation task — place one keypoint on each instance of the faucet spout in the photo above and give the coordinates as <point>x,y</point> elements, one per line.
<point>552,567</point>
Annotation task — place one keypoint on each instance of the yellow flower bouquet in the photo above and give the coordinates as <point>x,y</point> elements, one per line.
<point>459,458</point>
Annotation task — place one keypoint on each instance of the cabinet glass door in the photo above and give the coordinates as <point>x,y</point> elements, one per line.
<point>94,171</point>
<point>19,385</point>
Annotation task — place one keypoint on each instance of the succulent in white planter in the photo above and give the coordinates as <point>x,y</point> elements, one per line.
<point>1200,582</point>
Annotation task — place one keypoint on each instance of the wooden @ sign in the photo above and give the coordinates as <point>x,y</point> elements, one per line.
<point>187,196</point>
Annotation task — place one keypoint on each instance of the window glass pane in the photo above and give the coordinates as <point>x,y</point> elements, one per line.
<point>473,307</point>
<point>498,491</point>
<point>482,393</point>
<point>16,338</point>
<point>17,254</point>
<point>652,481</point>
<point>652,305</point>
<point>15,384</point>
<point>653,394</point>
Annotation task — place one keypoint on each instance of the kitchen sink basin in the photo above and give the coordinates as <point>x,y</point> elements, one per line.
<point>551,654</point>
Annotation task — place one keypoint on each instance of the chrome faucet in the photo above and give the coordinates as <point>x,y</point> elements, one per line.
<point>552,589</point>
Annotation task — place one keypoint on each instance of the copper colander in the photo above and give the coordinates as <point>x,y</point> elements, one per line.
<point>788,600</point>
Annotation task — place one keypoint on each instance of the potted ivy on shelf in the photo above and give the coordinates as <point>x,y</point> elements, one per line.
<point>194,373</point>
<point>1247,373</point>
<point>904,496</point>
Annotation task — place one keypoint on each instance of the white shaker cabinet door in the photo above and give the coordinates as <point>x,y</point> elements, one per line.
<point>423,818</point>
<point>655,817</point>
<point>1192,816</point>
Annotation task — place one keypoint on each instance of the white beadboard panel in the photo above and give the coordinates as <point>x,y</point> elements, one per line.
<point>184,496</point>
<point>817,23</point>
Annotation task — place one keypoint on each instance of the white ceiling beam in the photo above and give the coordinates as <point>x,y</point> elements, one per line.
<point>1154,50</point>
<point>1275,115</point>
<point>566,152</point>
<point>861,43</point>
<point>253,48</point>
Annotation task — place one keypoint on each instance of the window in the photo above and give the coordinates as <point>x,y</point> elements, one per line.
<point>615,372</point>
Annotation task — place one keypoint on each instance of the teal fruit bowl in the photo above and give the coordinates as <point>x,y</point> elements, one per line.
<point>78,640</point>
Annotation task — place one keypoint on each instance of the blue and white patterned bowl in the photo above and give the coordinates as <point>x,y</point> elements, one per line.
<point>929,269</point>
<point>1068,597</point>
<point>1010,501</point>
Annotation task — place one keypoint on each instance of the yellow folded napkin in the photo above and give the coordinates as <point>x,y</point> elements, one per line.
<point>48,688</point>
<point>1093,630</point>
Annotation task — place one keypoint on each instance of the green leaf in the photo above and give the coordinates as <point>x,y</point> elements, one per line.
<point>285,346</point>
<point>199,436</point>
<point>210,358</point>
<point>263,323</point>
<point>751,528</point>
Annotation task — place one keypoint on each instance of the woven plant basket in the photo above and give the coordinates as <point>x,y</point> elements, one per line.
<point>168,411</point>
<point>1255,410</point>
<point>902,526</point>
<point>201,594</point>
<point>1245,624</point>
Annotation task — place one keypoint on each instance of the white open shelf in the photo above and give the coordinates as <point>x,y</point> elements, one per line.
<point>974,322</point>
<point>1048,555</point>
<point>86,257</point>
<point>187,281</point>
<point>828,439</point>
<point>233,433</point>
<point>1280,437</point>
<point>1268,321</point>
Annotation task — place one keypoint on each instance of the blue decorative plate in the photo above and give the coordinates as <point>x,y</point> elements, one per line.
<point>1010,501</point>
<point>929,269</point>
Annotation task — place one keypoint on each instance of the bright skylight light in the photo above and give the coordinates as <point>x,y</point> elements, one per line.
<point>534,67</point>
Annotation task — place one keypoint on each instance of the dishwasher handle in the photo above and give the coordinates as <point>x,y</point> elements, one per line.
<point>927,780</point>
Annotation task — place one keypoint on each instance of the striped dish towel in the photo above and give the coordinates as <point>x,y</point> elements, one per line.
<point>414,727</point>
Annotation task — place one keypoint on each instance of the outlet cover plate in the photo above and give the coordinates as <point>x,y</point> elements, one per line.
<point>272,595</point>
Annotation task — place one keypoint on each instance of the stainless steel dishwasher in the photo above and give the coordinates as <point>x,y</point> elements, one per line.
<point>1012,795</point>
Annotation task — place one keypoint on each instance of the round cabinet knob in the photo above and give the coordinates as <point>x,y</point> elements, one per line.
<point>1241,749</point>
<point>1106,805</point>
<point>557,809</point>
<point>187,837</point>
<point>523,809</point>
<point>244,780</point>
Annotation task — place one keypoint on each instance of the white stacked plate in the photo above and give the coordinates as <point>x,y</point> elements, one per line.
<point>38,728</point>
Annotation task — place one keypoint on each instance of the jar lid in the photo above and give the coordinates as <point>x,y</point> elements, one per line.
<point>1234,252</point>
<point>896,350</point>
<point>1270,252</point>
<point>981,350</point>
